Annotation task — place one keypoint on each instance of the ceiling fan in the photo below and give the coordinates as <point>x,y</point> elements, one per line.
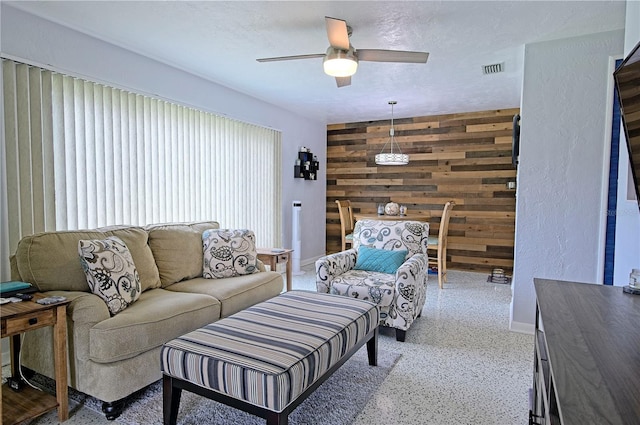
<point>341,59</point>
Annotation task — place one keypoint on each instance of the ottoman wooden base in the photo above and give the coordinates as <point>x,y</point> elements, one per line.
<point>267,359</point>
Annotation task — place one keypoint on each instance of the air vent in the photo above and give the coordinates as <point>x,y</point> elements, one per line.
<point>493,69</point>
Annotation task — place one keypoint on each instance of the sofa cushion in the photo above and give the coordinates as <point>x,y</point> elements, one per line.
<point>137,240</point>
<point>177,249</point>
<point>379,260</point>
<point>235,293</point>
<point>49,260</point>
<point>110,271</point>
<point>229,253</point>
<point>155,318</point>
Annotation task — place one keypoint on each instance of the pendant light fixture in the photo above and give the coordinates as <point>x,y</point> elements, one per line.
<point>391,157</point>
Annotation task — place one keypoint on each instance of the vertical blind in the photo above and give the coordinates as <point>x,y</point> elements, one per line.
<point>83,155</point>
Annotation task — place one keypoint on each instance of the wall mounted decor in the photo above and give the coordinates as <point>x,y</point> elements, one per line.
<point>306,166</point>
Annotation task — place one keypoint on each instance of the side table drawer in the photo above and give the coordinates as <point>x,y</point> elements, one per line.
<point>29,321</point>
<point>282,258</point>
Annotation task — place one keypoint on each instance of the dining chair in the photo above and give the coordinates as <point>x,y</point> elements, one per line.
<point>439,244</point>
<point>346,222</point>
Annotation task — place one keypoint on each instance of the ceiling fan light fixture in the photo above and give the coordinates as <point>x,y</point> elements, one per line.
<point>340,63</point>
<point>392,158</point>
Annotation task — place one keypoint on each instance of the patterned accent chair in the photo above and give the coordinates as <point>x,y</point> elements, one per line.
<point>400,296</point>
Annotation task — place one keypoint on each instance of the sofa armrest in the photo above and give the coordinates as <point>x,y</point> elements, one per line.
<point>13,262</point>
<point>83,312</point>
<point>261,266</point>
<point>330,266</point>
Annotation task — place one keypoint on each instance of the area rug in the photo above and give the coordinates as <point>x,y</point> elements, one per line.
<point>337,401</point>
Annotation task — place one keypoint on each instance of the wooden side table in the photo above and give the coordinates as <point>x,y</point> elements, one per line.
<point>275,256</point>
<point>28,402</point>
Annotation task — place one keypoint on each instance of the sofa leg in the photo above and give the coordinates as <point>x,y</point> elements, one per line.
<point>112,410</point>
<point>400,335</point>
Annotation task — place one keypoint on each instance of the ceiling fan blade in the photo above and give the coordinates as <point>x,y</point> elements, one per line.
<point>343,81</point>
<point>288,58</point>
<point>337,33</point>
<point>377,55</point>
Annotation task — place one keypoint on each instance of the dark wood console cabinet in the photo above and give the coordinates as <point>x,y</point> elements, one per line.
<point>587,355</point>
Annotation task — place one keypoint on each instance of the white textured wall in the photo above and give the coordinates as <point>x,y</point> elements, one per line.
<point>561,171</point>
<point>42,42</point>
<point>627,255</point>
<point>632,26</point>
<point>4,242</point>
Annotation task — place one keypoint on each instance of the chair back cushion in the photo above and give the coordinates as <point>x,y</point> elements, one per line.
<point>392,235</point>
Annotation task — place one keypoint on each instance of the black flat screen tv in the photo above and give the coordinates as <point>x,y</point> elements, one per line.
<point>627,81</point>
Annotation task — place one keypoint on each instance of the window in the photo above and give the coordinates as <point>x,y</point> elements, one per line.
<point>83,155</point>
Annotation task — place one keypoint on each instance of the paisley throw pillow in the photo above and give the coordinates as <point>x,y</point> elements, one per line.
<point>228,253</point>
<point>110,271</point>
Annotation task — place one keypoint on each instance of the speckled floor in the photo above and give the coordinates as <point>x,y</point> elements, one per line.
<point>460,364</point>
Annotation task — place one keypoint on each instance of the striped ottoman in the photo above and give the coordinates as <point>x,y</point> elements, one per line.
<point>268,358</point>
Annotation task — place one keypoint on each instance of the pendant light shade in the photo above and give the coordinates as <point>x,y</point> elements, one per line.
<point>392,157</point>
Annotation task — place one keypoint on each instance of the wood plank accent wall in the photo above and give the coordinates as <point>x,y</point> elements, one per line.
<point>464,157</point>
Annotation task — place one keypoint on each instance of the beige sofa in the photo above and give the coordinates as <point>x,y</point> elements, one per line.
<point>110,357</point>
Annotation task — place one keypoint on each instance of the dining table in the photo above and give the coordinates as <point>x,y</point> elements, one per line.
<point>385,217</point>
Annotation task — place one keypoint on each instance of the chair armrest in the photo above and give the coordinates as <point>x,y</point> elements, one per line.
<point>411,292</point>
<point>330,266</point>
<point>414,265</point>
<point>411,277</point>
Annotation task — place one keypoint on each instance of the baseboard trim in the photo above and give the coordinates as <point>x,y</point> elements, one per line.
<point>281,267</point>
<point>312,260</point>
<point>520,327</point>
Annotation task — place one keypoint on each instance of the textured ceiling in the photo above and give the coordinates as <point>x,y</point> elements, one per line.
<point>221,41</point>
